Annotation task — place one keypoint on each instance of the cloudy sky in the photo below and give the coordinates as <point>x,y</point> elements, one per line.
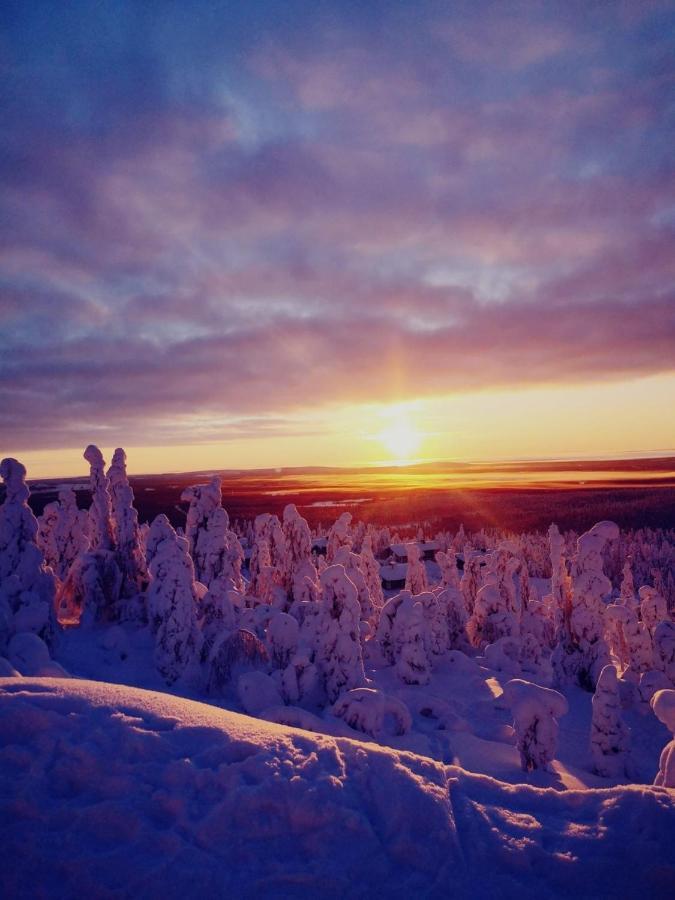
<point>255,233</point>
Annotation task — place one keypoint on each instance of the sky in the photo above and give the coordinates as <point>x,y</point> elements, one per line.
<point>271,234</point>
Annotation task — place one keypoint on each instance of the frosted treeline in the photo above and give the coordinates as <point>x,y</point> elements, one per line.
<point>289,621</point>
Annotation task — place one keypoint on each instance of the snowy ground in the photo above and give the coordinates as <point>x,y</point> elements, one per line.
<point>110,791</point>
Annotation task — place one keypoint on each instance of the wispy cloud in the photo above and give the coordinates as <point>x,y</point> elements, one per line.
<point>232,216</point>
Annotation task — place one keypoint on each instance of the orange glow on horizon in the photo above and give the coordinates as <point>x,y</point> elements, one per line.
<point>592,421</point>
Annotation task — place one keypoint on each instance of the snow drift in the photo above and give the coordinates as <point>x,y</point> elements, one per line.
<point>115,791</point>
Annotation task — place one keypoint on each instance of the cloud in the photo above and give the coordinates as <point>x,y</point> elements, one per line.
<point>213,221</point>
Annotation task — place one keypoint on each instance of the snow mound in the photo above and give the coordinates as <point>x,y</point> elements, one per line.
<point>108,790</point>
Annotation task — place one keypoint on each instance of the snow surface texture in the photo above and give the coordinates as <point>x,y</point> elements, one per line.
<point>109,791</point>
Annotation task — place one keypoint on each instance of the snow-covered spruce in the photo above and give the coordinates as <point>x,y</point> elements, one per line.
<point>561,586</point>
<point>27,586</point>
<point>491,619</point>
<point>582,651</point>
<point>653,607</point>
<point>218,613</point>
<point>369,710</point>
<point>452,602</point>
<point>535,713</point>
<point>664,649</point>
<point>663,704</point>
<point>447,563</point>
<point>298,542</point>
<point>627,594</point>
<point>100,512</point>
<point>504,655</point>
<point>351,563</point>
<point>203,500</point>
<point>503,565</point>
<point>63,532</point>
<point>231,656</point>
<point>172,601</point>
<point>371,572</point>
<point>404,639</point>
<point>610,736</point>
<point>126,531</point>
<point>471,580</point>
<point>283,637</point>
<point>416,575</point>
<point>268,564</point>
<point>91,590</point>
<point>339,658</point>
<point>45,538</point>
<point>537,637</point>
<point>630,641</point>
<point>436,618</point>
<point>339,536</point>
<point>220,552</point>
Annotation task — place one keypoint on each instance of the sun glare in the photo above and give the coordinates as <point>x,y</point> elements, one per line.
<point>401,439</point>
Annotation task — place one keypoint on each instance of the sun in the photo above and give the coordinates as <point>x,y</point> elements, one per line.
<point>401,439</point>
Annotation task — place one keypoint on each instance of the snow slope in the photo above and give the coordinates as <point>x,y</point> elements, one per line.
<point>113,791</point>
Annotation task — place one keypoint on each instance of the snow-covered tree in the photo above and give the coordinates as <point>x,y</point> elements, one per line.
<point>298,541</point>
<point>664,649</point>
<point>63,532</point>
<point>535,711</point>
<point>45,537</point>
<point>203,500</point>
<point>232,656</point>
<point>411,640</point>
<point>447,563</point>
<point>27,586</point>
<point>416,574</point>
<point>371,572</point>
<point>627,595</point>
<point>283,637</point>
<point>582,651</point>
<point>268,564</point>
<point>610,736</point>
<point>451,600</point>
<point>219,551</point>
<point>491,618</point>
<point>436,617</point>
<point>653,608</point>
<point>218,613</point>
<point>663,704</point>
<point>338,646</point>
<point>301,681</point>
<point>100,513</point>
<point>561,589</point>
<point>404,639</point>
<point>339,536</point>
<point>172,601</point>
<point>630,640</point>
<point>351,563</point>
<point>470,581</point>
<point>367,710</point>
<point>90,591</point>
<point>126,532</point>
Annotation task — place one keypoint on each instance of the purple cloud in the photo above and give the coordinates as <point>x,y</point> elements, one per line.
<point>329,208</point>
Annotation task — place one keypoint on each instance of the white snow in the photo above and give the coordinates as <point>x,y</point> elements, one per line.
<point>112,791</point>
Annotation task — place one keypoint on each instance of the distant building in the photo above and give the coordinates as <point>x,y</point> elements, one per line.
<point>393,575</point>
<point>428,550</point>
<point>460,558</point>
